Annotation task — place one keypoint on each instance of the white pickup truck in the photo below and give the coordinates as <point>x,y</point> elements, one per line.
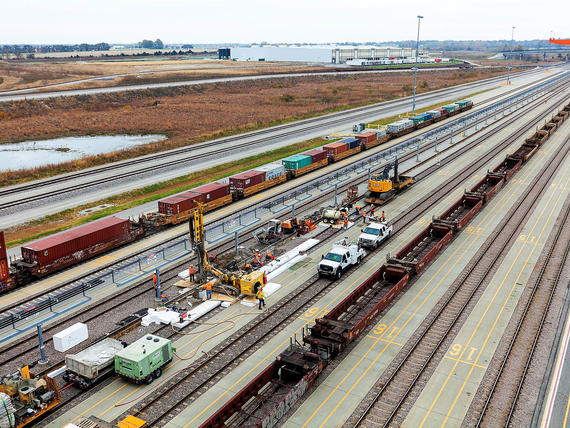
<point>374,234</point>
<point>341,256</point>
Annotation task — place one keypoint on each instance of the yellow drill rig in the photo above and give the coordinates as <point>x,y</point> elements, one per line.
<point>235,283</point>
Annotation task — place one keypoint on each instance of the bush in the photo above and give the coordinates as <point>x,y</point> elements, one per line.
<point>287,98</point>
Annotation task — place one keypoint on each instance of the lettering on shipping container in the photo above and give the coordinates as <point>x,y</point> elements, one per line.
<point>283,407</point>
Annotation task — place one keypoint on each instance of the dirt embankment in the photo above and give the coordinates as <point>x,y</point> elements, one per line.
<point>194,113</point>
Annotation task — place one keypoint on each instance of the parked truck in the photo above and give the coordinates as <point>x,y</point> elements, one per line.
<point>340,257</point>
<point>374,234</point>
<point>93,364</point>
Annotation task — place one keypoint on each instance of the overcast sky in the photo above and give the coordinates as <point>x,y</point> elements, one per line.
<point>247,21</point>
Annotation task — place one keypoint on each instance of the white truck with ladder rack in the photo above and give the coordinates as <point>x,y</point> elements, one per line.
<point>340,257</point>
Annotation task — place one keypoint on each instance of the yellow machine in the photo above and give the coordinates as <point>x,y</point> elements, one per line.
<point>24,398</point>
<point>382,188</point>
<point>244,283</point>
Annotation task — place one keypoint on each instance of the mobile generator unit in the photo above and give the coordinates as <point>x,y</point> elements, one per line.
<point>143,360</point>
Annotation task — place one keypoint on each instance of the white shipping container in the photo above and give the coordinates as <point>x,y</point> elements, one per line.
<point>71,336</point>
<point>272,170</point>
<point>434,113</point>
<point>380,134</point>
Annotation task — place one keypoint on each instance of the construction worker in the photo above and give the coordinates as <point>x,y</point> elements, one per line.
<point>357,209</point>
<point>191,272</point>
<point>372,211</point>
<point>208,288</point>
<point>247,267</point>
<point>260,296</point>
<point>383,216</point>
<point>345,221</point>
<point>269,256</point>
<point>154,279</point>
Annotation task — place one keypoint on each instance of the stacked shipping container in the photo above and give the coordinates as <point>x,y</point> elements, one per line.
<point>75,241</point>
<point>246,179</point>
<point>316,155</point>
<point>297,162</point>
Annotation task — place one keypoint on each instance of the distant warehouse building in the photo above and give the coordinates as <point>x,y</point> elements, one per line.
<point>326,54</point>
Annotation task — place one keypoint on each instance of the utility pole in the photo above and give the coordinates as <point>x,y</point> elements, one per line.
<point>510,58</point>
<point>416,68</point>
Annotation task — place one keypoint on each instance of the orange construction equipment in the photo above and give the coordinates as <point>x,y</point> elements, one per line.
<point>560,41</point>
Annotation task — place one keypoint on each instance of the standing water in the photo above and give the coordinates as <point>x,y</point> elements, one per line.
<point>32,154</point>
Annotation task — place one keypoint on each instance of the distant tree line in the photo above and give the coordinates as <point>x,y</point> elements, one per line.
<point>149,44</point>
<point>14,49</point>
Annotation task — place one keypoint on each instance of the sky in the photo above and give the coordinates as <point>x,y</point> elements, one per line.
<point>290,21</point>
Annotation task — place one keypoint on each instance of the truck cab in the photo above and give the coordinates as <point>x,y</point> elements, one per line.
<point>374,234</point>
<point>340,257</point>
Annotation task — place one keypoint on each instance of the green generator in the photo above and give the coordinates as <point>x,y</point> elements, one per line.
<point>143,361</point>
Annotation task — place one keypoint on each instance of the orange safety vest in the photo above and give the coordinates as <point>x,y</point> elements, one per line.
<point>154,279</point>
<point>191,270</point>
<point>260,294</point>
<point>208,286</point>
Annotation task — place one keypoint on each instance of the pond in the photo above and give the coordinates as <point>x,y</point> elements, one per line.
<point>32,154</point>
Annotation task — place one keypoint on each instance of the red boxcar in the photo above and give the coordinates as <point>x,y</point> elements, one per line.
<point>316,155</point>
<point>4,272</point>
<point>246,179</point>
<point>75,242</point>
<point>508,167</point>
<point>213,191</point>
<point>488,186</point>
<point>335,148</point>
<point>366,137</point>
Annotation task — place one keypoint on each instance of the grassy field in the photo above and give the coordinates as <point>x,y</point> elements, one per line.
<point>191,114</point>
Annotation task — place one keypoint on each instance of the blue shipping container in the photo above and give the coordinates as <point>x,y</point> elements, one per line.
<point>351,142</point>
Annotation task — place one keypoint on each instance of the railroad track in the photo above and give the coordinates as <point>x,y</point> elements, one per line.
<point>177,392</point>
<point>401,378</point>
<point>313,123</point>
<point>426,147</point>
<point>28,345</point>
<point>510,378</point>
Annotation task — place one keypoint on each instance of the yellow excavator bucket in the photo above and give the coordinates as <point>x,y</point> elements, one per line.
<point>379,186</point>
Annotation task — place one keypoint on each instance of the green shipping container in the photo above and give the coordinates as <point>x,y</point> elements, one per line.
<point>450,107</point>
<point>143,360</point>
<point>418,119</point>
<point>461,103</point>
<point>296,162</point>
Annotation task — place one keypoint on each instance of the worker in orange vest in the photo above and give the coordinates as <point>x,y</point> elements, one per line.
<point>383,216</point>
<point>269,256</point>
<point>345,221</point>
<point>154,279</point>
<point>208,288</point>
<point>260,296</point>
<point>191,272</point>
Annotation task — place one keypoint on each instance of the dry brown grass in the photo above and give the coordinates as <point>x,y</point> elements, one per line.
<point>193,113</point>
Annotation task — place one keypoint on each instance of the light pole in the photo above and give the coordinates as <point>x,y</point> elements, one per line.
<point>510,58</point>
<point>416,68</point>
